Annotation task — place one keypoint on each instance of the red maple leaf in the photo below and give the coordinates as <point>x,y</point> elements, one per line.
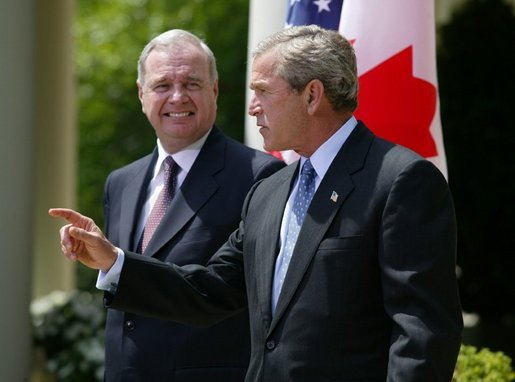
<point>398,106</point>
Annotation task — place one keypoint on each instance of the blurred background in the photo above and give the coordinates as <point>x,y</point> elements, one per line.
<point>69,114</point>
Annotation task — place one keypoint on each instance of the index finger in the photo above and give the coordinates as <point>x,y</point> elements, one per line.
<point>72,216</point>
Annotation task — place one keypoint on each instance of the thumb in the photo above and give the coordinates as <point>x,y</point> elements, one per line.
<point>81,234</point>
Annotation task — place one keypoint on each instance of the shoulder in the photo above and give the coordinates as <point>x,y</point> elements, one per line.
<point>396,160</point>
<point>394,170</point>
<point>382,155</point>
<point>235,148</point>
<point>129,171</point>
<point>279,178</point>
<point>241,156</point>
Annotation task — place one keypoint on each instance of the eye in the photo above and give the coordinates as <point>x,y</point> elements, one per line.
<point>160,88</point>
<point>260,92</point>
<point>193,86</point>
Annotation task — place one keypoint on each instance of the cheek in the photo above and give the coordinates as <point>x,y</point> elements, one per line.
<point>147,105</point>
<point>153,108</point>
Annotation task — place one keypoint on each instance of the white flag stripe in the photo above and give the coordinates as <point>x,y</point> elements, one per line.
<point>382,29</point>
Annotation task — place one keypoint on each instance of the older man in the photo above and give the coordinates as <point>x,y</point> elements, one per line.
<point>178,204</point>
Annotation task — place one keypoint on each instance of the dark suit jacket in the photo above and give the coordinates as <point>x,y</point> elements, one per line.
<point>370,293</point>
<point>203,213</point>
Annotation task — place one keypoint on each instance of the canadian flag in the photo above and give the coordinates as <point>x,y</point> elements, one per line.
<point>394,42</point>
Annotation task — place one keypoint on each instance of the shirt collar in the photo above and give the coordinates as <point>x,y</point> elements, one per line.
<point>184,158</point>
<point>322,158</point>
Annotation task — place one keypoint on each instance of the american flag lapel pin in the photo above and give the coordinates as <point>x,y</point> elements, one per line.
<point>334,196</point>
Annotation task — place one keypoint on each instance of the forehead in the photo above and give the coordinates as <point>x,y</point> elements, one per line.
<point>264,71</point>
<point>184,59</point>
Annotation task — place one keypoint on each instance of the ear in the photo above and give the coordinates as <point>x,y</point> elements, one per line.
<point>313,93</point>
<point>140,94</point>
<point>215,89</point>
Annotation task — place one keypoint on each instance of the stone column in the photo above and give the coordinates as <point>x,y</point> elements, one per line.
<point>16,185</point>
<point>37,162</point>
<point>55,148</point>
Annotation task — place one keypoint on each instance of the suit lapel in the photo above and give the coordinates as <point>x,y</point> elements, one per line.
<point>196,190</point>
<point>269,248</point>
<point>322,211</point>
<point>132,201</point>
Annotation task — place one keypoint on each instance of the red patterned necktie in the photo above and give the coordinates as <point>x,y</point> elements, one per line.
<point>163,201</point>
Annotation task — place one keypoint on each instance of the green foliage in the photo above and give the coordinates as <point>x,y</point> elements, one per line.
<point>109,36</point>
<point>475,70</point>
<point>69,327</point>
<point>483,365</point>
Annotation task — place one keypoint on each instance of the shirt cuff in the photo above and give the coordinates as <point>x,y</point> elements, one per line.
<point>108,281</point>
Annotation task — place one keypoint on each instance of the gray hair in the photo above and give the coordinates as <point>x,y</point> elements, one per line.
<point>305,53</point>
<point>176,36</point>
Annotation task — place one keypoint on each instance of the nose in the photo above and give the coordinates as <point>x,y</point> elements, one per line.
<point>177,94</point>
<point>254,106</point>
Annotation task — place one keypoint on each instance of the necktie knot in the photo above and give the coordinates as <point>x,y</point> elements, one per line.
<point>305,191</point>
<point>168,166</point>
<point>170,169</point>
<point>308,172</point>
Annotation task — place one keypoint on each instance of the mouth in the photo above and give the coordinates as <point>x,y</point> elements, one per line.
<point>178,115</point>
<point>262,129</point>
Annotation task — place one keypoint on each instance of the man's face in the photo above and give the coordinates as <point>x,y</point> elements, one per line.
<point>178,96</point>
<point>277,107</point>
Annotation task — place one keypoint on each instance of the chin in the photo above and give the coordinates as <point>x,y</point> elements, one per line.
<point>268,147</point>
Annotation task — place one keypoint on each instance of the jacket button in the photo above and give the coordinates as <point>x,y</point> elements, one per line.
<point>270,345</point>
<point>129,325</point>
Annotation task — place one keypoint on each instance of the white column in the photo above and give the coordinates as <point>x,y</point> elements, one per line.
<point>55,143</point>
<point>37,165</point>
<point>16,153</point>
<point>266,17</point>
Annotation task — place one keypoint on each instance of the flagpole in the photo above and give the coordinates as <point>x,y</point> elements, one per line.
<point>265,17</point>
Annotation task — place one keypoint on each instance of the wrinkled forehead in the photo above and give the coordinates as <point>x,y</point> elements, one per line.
<point>177,55</point>
<point>267,62</point>
<point>177,60</point>
<point>265,67</point>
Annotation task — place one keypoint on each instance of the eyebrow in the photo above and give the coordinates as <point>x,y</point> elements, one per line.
<point>161,79</point>
<point>156,80</point>
<point>259,84</point>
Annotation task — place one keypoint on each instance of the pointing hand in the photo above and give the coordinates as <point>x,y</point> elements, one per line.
<point>82,240</point>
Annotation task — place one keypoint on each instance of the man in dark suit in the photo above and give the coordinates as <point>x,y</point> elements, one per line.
<point>178,88</point>
<point>360,286</point>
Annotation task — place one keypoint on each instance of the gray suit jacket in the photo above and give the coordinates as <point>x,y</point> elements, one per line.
<point>205,210</point>
<point>370,293</point>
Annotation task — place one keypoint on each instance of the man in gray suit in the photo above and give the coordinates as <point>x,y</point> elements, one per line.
<point>178,89</point>
<point>345,260</point>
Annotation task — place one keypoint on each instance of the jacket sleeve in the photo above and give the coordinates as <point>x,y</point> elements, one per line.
<point>417,257</point>
<point>192,294</point>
